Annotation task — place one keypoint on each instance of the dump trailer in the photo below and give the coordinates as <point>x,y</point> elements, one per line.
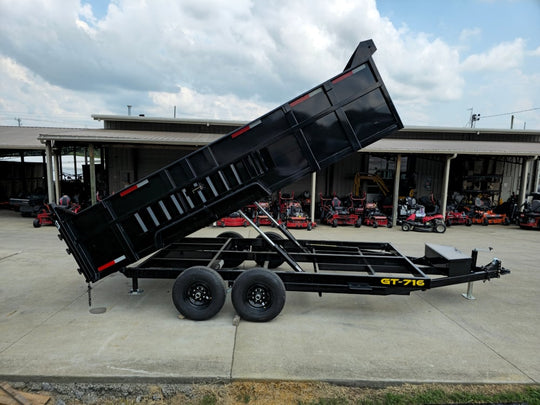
<point>153,217</point>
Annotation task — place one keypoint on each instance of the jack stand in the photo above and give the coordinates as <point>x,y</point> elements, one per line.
<point>135,290</point>
<point>468,295</point>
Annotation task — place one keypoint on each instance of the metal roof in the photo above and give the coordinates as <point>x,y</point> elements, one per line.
<point>136,118</point>
<point>129,137</point>
<point>410,140</point>
<point>431,146</point>
<point>21,138</point>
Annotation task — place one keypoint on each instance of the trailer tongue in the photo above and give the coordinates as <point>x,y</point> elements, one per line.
<point>306,134</point>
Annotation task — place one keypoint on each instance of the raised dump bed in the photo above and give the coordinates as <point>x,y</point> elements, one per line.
<point>306,134</point>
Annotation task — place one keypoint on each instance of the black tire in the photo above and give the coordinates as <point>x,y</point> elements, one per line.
<point>375,224</point>
<point>506,221</point>
<point>485,222</point>
<point>36,223</point>
<point>439,227</point>
<point>199,293</point>
<point>273,260</point>
<point>448,223</point>
<point>258,295</point>
<point>231,263</point>
<point>405,227</point>
<point>334,223</point>
<point>309,226</point>
<point>358,223</point>
<point>468,222</point>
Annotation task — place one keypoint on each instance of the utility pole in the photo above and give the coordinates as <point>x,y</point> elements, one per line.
<point>474,118</point>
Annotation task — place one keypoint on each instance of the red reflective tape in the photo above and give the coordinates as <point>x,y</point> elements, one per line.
<point>111,263</point>
<point>299,100</point>
<point>245,129</point>
<point>128,190</point>
<point>240,132</point>
<point>343,76</point>
<point>133,188</point>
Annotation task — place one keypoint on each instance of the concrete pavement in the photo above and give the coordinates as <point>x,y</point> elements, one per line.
<point>48,333</point>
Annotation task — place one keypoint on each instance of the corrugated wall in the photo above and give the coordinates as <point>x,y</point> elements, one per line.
<point>429,176</point>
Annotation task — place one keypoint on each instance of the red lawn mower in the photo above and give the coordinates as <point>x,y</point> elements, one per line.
<point>374,217</point>
<point>529,218</point>
<point>292,214</point>
<point>482,213</point>
<point>234,219</point>
<point>334,213</point>
<point>420,221</point>
<point>44,217</point>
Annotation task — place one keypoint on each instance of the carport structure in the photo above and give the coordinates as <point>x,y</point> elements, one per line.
<point>446,144</point>
<point>134,146</point>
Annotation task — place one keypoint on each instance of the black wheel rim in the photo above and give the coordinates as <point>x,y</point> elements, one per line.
<point>259,296</point>
<point>198,294</point>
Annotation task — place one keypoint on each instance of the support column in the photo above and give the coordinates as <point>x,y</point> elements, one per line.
<point>49,168</point>
<point>93,188</point>
<point>313,190</point>
<point>523,185</point>
<point>536,175</point>
<point>395,199</point>
<point>56,178</point>
<point>444,196</point>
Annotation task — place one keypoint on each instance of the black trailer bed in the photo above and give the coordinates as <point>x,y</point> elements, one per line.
<point>325,266</point>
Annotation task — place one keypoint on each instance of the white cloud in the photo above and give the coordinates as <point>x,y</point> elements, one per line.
<point>231,60</point>
<point>468,34</point>
<point>504,56</point>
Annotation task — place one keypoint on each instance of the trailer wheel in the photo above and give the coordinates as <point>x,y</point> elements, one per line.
<point>36,223</point>
<point>274,260</point>
<point>199,293</point>
<point>230,263</point>
<point>258,295</point>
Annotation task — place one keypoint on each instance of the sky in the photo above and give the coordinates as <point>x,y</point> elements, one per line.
<point>441,60</point>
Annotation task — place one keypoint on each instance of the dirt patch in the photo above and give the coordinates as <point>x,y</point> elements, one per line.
<point>256,392</point>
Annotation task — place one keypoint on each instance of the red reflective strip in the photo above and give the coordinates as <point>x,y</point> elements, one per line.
<point>299,100</point>
<point>240,132</point>
<point>106,265</point>
<point>129,190</point>
<point>133,188</point>
<point>340,78</point>
<point>111,263</point>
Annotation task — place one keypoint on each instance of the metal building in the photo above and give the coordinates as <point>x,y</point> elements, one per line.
<point>429,160</point>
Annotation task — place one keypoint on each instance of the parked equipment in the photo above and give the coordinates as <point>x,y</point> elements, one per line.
<point>529,217</point>
<point>334,213</point>
<point>457,217</point>
<point>486,216</point>
<point>292,213</point>
<point>420,221</point>
<point>232,220</point>
<point>309,133</point>
<point>374,217</point>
